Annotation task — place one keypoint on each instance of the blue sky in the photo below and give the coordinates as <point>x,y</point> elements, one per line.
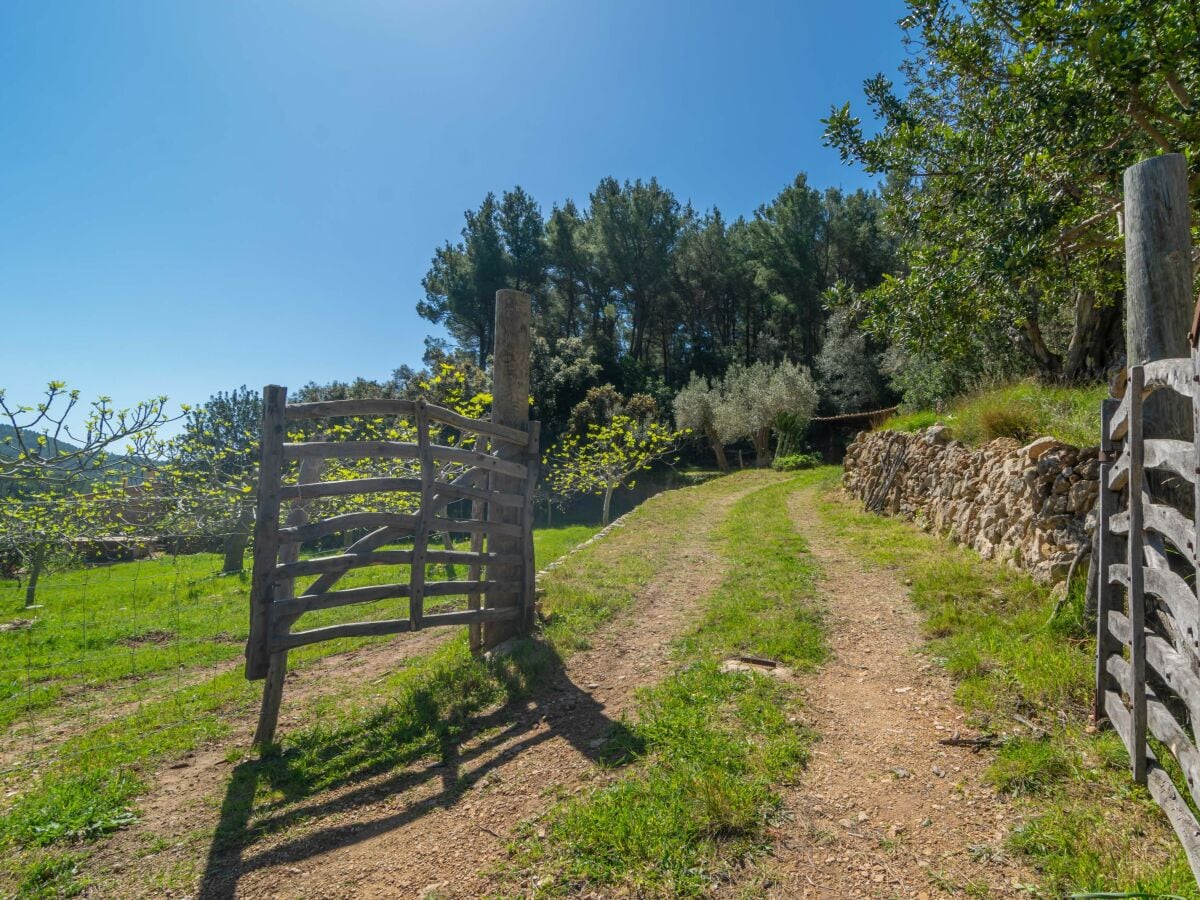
<point>197,195</point>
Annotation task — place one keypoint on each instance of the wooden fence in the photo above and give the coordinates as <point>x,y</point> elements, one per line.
<point>1148,621</point>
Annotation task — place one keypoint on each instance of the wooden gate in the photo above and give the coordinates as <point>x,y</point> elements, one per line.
<point>403,491</point>
<point>388,476</point>
<point>1148,615</point>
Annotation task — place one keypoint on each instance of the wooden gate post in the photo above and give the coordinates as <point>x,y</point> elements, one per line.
<point>1158,280</point>
<point>510,406</point>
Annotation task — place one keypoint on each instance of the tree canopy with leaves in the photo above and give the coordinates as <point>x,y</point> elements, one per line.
<point>1003,153</point>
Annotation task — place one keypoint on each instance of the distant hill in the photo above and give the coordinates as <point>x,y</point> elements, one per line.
<point>8,443</point>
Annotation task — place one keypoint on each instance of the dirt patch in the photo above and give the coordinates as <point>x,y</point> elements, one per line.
<point>438,828</point>
<point>147,638</point>
<point>885,809</point>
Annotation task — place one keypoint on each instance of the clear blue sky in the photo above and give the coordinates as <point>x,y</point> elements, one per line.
<point>196,195</point>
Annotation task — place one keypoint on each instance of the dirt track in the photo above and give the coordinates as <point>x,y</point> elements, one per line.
<point>884,810</point>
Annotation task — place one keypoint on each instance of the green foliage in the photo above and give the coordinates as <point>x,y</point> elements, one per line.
<point>796,461</point>
<point>760,398</point>
<point>1023,410</point>
<point>612,440</point>
<point>640,290</point>
<point>1004,153</point>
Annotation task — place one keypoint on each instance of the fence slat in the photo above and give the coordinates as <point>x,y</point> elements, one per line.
<point>1107,554</point>
<point>285,589</point>
<point>1175,456</point>
<point>347,561</point>
<point>1136,591</point>
<point>399,450</point>
<point>416,600</point>
<point>373,593</point>
<point>266,529</point>
<point>390,626</point>
<point>399,522</point>
<point>1165,520</point>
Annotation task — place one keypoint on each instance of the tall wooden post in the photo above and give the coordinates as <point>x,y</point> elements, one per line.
<point>1107,593</point>
<point>1158,281</point>
<point>266,529</point>
<point>510,406</point>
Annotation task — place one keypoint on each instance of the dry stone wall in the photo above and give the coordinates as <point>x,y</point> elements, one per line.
<point>1026,506</point>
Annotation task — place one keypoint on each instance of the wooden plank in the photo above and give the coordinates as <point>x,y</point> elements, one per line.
<point>1136,581</point>
<point>1173,373</point>
<point>399,450</point>
<point>373,593</point>
<point>1171,667</point>
<point>1172,590</point>
<point>352,486</point>
<point>1164,520</point>
<point>285,589</point>
<point>325,409</point>
<point>1165,729</point>
<point>388,626</point>
<point>347,561</point>
<point>1108,553</point>
<point>475,573</point>
<point>1175,456</point>
<point>416,603</point>
<point>1161,788</point>
<point>510,435</point>
<point>529,581</point>
<point>266,529</point>
<point>398,523</point>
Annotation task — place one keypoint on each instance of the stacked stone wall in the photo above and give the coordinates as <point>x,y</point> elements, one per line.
<point>1024,505</point>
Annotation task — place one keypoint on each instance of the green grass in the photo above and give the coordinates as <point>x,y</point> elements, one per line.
<point>1086,826</point>
<point>128,622</point>
<point>89,783</point>
<point>1023,410</point>
<point>710,747</point>
<point>78,666</point>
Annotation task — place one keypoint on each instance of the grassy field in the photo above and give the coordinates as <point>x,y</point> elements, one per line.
<point>125,664</point>
<point>1088,827</point>
<point>1023,410</point>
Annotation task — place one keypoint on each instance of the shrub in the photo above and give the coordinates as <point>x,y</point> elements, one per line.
<point>796,461</point>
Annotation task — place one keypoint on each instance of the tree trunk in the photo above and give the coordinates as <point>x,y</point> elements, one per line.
<point>762,447</point>
<point>608,492</point>
<point>718,450</point>
<point>235,552</point>
<point>37,562</point>
<point>1049,364</point>
<point>1095,339</point>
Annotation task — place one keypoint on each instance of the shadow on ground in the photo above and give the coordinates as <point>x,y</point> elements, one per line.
<point>434,736</point>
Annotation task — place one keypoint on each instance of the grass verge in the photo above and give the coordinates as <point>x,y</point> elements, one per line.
<point>1023,410</point>
<point>708,747</point>
<point>1086,827</point>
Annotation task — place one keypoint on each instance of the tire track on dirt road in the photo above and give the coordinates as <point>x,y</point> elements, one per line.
<point>884,809</point>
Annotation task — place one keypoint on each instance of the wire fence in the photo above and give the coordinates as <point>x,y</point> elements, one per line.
<point>129,637</point>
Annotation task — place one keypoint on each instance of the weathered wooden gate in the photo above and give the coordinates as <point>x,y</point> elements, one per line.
<point>403,472</point>
<point>1148,615</point>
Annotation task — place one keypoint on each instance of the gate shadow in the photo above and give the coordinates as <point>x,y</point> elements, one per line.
<point>320,776</point>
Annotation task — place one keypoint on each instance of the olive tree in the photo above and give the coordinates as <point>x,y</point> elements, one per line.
<point>761,398</point>
<point>696,410</point>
